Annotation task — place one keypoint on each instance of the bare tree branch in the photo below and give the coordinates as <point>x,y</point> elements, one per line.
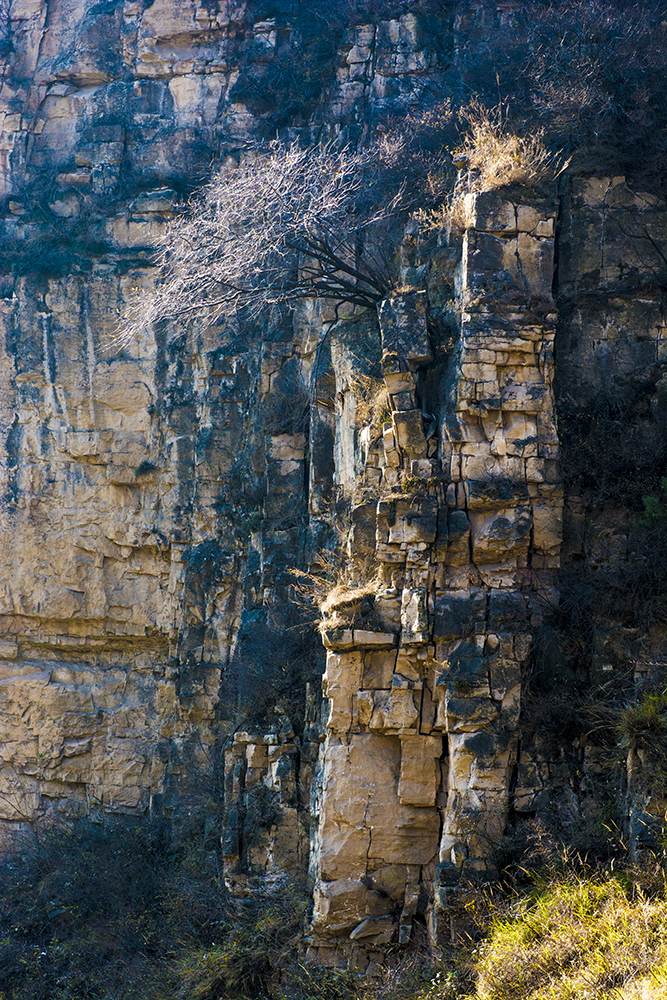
<point>286,224</point>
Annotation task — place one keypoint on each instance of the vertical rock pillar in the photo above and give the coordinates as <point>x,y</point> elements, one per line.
<point>505,512</point>
<point>424,663</point>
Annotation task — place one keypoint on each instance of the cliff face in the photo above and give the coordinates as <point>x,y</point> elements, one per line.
<point>157,495</point>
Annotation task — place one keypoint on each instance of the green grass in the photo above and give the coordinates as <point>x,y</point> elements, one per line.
<point>595,937</point>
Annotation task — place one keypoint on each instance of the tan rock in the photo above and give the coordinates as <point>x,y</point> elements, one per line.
<point>420,770</point>
<point>503,534</point>
<point>409,432</point>
<point>414,617</point>
<point>343,904</point>
<point>378,670</point>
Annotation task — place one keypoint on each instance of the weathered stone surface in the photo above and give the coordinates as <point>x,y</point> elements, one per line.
<point>409,432</point>
<point>341,682</point>
<point>420,770</point>
<point>158,494</point>
<point>500,535</point>
<point>457,673</point>
<point>374,931</point>
<point>346,904</point>
<point>405,341</point>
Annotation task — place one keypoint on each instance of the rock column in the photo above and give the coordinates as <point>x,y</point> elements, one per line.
<point>424,661</point>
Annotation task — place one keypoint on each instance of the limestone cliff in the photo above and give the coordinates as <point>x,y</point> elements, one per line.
<point>158,494</point>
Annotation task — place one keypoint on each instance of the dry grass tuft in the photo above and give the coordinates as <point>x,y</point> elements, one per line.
<point>452,215</point>
<point>372,400</point>
<point>493,156</point>
<point>342,602</point>
<point>498,155</point>
<point>334,601</point>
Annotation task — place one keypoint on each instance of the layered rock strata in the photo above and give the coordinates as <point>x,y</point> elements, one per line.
<point>425,695</point>
<point>157,495</point>
<point>146,509</point>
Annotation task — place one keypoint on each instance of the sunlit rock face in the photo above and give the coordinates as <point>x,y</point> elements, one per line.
<point>158,493</point>
<point>425,703</point>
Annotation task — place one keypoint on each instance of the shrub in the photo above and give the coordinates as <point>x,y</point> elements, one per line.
<point>655,509</point>
<point>257,947</point>
<point>416,977</point>
<point>81,912</point>
<point>279,651</point>
<point>418,144</point>
<point>643,728</point>
<point>313,982</point>
<point>121,911</point>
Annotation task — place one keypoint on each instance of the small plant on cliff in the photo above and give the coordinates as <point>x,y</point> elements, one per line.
<point>655,509</point>
<point>372,397</point>
<point>493,155</point>
<point>345,605</point>
<point>643,728</point>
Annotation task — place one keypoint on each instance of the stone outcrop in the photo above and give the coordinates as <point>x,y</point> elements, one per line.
<point>422,733</point>
<point>158,494</point>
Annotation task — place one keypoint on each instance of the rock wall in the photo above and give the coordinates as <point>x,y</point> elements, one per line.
<point>157,495</point>
<point>146,508</point>
<point>425,702</point>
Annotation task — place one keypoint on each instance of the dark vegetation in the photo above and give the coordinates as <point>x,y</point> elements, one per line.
<point>581,84</point>
<point>5,43</point>
<point>285,87</point>
<point>58,247</point>
<point>581,693</point>
<point>279,652</point>
<point>595,78</point>
<point>612,438</point>
<point>590,73</point>
<point>121,911</point>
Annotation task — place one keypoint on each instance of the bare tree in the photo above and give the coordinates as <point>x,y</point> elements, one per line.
<point>287,223</point>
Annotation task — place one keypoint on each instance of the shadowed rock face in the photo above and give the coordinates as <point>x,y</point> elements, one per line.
<point>156,495</point>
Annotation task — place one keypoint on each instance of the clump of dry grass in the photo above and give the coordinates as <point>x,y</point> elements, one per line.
<point>372,400</point>
<point>454,215</point>
<point>494,156</point>
<point>642,727</point>
<point>342,604</point>
<point>498,155</point>
<point>334,601</point>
